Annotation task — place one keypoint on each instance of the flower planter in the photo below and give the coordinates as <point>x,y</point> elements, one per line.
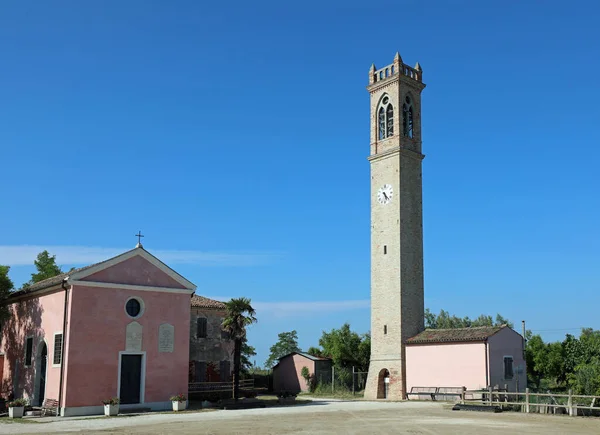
<point>179,406</point>
<point>16,411</point>
<point>111,410</point>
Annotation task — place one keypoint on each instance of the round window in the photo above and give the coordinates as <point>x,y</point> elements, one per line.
<point>407,99</point>
<point>133,307</point>
<point>385,100</point>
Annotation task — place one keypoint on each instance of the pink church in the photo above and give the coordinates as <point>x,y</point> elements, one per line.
<point>119,328</point>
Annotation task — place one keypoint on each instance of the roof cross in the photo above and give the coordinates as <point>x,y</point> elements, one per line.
<point>139,236</point>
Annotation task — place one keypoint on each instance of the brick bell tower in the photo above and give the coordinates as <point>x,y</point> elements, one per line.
<point>397,295</point>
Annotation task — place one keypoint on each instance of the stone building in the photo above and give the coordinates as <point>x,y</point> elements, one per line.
<point>397,296</point>
<point>211,349</point>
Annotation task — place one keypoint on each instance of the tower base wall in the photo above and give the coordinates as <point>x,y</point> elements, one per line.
<point>376,387</point>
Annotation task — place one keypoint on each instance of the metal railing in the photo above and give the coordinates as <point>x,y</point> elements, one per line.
<point>205,387</point>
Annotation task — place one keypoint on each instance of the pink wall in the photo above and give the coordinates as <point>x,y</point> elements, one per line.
<point>507,342</point>
<point>287,376</point>
<point>39,317</point>
<point>135,271</point>
<point>97,334</point>
<point>446,365</point>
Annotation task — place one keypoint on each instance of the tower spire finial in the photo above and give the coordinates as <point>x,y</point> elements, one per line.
<point>418,67</point>
<point>397,57</point>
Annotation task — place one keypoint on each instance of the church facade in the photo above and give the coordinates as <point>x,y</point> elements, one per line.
<point>119,328</point>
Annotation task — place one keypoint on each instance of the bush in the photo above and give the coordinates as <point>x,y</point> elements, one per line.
<point>17,403</point>
<point>178,398</point>
<point>111,401</point>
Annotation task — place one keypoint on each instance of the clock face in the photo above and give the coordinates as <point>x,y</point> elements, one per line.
<point>384,194</point>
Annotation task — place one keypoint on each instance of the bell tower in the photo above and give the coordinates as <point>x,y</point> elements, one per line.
<point>397,295</point>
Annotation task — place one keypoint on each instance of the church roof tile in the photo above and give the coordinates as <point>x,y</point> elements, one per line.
<point>202,302</point>
<point>456,335</point>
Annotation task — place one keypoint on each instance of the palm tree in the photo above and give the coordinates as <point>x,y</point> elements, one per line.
<point>240,314</point>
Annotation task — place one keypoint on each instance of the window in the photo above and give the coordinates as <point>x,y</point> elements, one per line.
<point>508,367</point>
<point>28,350</point>
<point>381,123</point>
<point>200,375</point>
<point>385,118</point>
<point>384,249</point>
<point>58,340</point>
<point>224,371</point>
<point>202,324</point>
<point>134,307</point>
<point>384,329</point>
<point>225,335</point>
<point>407,118</point>
<point>390,120</point>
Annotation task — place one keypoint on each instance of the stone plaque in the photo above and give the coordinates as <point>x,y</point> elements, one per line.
<point>133,338</point>
<point>166,337</point>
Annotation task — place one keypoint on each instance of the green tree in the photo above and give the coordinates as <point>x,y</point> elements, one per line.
<point>287,342</point>
<point>444,320</point>
<point>314,351</point>
<point>347,348</point>
<point>46,267</point>
<point>6,286</point>
<point>240,315</point>
<point>245,359</point>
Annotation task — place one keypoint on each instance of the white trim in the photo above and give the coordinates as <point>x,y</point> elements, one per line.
<point>142,376</point>
<point>131,287</point>
<point>73,411</point>
<point>25,352</point>
<point>54,348</point>
<point>130,254</point>
<point>142,307</point>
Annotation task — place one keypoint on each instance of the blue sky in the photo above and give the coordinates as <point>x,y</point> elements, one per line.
<point>235,137</point>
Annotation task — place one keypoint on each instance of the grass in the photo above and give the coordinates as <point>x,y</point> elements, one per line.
<point>339,392</point>
<point>8,420</point>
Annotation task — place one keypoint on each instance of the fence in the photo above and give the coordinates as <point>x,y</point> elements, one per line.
<point>218,389</point>
<point>529,402</point>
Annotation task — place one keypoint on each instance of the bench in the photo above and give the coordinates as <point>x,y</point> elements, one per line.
<point>422,393</point>
<point>50,407</point>
<point>449,393</point>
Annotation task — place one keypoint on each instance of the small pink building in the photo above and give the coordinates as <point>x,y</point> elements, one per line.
<point>119,328</point>
<point>474,358</point>
<point>287,373</point>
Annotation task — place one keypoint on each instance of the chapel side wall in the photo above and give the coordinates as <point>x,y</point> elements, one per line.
<point>38,317</point>
<point>446,365</point>
<point>507,342</point>
<point>98,334</point>
<point>207,353</point>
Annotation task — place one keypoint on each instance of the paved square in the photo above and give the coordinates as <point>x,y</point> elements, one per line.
<point>323,417</point>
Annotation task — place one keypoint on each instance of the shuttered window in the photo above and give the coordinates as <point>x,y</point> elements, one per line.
<point>201,333</point>
<point>57,358</point>
<point>224,371</point>
<point>28,350</point>
<point>508,367</point>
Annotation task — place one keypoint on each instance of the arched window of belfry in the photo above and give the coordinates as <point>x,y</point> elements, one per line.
<point>390,120</point>
<point>407,117</point>
<point>385,118</point>
<point>381,123</point>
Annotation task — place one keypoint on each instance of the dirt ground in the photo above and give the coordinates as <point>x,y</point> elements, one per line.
<point>324,417</point>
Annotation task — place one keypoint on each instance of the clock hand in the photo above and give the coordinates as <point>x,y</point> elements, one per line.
<point>386,197</point>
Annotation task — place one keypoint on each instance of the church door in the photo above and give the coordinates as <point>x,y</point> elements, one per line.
<point>131,378</point>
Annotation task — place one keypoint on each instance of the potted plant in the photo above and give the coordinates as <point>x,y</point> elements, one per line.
<point>16,408</point>
<point>179,402</point>
<point>111,406</point>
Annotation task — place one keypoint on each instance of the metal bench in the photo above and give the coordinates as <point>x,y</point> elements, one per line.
<point>49,407</point>
<point>449,393</point>
<point>422,393</point>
